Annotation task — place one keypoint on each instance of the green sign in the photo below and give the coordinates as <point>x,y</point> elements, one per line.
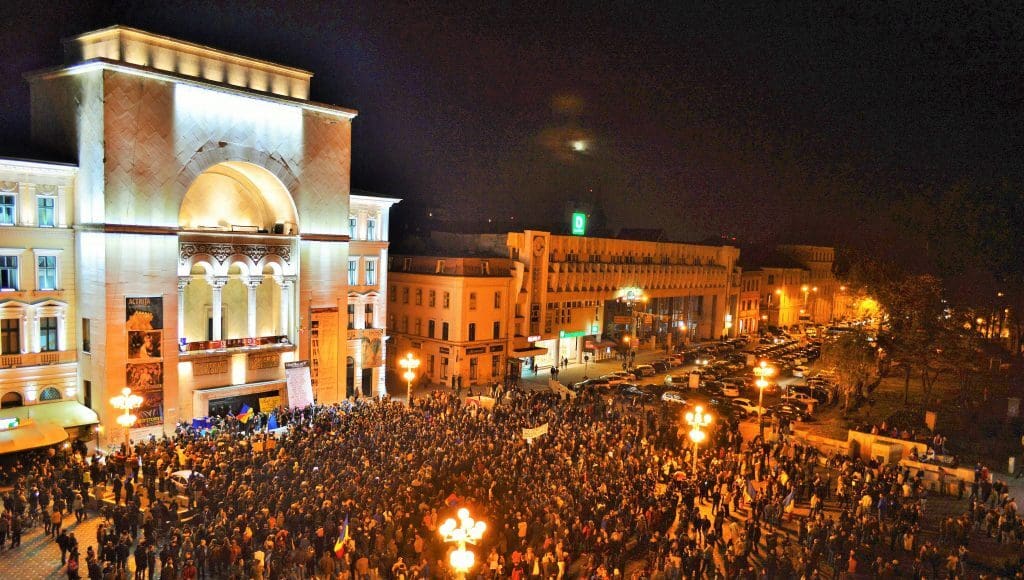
<point>574,334</point>
<point>593,329</point>
<point>579,224</point>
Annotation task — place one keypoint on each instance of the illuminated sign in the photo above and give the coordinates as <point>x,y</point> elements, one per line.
<point>533,338</point>
<point>574,334</point>
<point>579,224</point>
<point>593,329</point>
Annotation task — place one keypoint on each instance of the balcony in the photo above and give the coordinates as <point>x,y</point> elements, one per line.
<point>207,347</point>
<point>34,359</point>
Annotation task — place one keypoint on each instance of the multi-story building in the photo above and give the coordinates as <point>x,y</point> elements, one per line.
<point>454,314</point>
<point>820,296</point>
<point>580,295</point>
<point>202,240</point>
<point>367,299</point>
<point>749,303</point>
<point>782,295</point>
<point>39,330</point>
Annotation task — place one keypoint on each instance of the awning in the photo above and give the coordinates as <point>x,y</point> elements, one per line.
<point>30,435</point>
<point>64,414</point>
<point>528,352</point>
<point>605,344</point>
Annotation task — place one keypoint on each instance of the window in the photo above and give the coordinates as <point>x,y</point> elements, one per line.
<point>495,365</point>
<point>419,296</point>
<point>418,327</point>
<point>444,367</point>
<point>472,300</point>
<point>8,272</point>
<point>353,272</point>
<point>371,229</point>
<point>497,300</point>
<point>485,267</point>
<point>430,365</point>
<point>10,336</point>
<point>444,331</point>
<point>86,341</point>
<point>430,328</point>
<point>368,316</point>
<point>406,264</point>
<point>392,294</point>
<point>432,299</point>
<point>439,267</point>
<point>771,279</point>
<point>353,223</point>
<point>497,329</point>
<point>371,272</point>
<point>46,272</point>
<point>49,394</point>
<point>447,300</point>
<point>391,321</point>
<point>46,213</point>
<point>7,209</point>
<point>351,316</point>
<point>48,333</point>
<point>405,294</point>
<point>472,331</point>
<point>474,368</point>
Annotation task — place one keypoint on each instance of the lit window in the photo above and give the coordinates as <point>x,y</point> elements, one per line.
<point>48,333</point>
<point>419,296</point>
<point>352,224</point>
<point>392,294</point>
<point>474,368</point>
<point>46,272</point>
<point>371,272</point>
<point>405,295</point>
<point>371,229</point>
<point>353,272</point>
<point>447,300</point>
<point>7,208</point>
<point>46,211</point>
<point>8,272</point>
<point>10,336</point>
<point>368,313</point>
<point>432,299</point>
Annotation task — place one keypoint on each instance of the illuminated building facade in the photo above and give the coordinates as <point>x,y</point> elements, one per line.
<point>749,303</point>
<point>579,296</point>
<point>212,230</point>
<point>454,314</point>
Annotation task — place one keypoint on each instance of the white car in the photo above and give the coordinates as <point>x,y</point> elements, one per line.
<point>801,397</point>
<point>180,479</point>
<point>628,375</point>
<point>673,397</point>
<point>730,390</point>
<point>800,371</point>
<point>747,405</point>
<point>614,379</point>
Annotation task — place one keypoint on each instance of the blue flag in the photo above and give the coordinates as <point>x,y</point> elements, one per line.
<point>788,502</point>
<point>272,422</point>
<point>202,423</point>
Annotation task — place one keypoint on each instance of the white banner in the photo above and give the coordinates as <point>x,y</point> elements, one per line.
<point>300,386</point>
<point>535,432</point>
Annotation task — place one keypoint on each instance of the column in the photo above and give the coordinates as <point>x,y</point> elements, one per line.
<point>217,284</point>
<point>62,331</point>
<point>183,282</point>
<point>286,283</point>
<point>251,284</point>
<point>26,332</point>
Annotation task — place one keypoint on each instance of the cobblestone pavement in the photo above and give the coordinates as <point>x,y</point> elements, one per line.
<point>38,557</point>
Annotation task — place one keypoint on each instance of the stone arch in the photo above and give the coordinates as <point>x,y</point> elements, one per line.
<point>214,152</point>
<point>50,394</point>
<point>238,196</point>
<point>10,400</point>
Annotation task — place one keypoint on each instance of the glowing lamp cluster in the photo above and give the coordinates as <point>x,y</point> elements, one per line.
<point>126,402</point>
<point>410,364</point>
<point>698,420</point>
<point>466,531</point>
<point>763,372</point>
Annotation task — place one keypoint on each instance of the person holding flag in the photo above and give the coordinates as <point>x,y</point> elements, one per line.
<point>789,503</point>
<point>245,414</point>
<point>339,545</point>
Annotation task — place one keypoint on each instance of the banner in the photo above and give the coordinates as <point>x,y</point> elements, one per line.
<point>144,323</point>
<point>300,385</point>
<point>371,353</point>
<point>535,432</point>
<point>147,381</point>
<point>268,404</point>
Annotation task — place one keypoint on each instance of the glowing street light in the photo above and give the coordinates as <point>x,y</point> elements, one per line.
<point>410,364</point>
<point>126,402</point>
<point>466,531</point>
<point>763,371</point>
<point>697,419</point>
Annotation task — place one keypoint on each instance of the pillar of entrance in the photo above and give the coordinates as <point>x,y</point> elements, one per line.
<point>287,283</point>
<point>251,284</point>
<point>217,284</point>
<point>183,282</point>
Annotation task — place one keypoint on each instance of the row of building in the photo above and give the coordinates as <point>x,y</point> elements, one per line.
<point>203,248</point>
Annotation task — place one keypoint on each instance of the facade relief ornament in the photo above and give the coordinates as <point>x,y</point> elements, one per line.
<point>223,251</point>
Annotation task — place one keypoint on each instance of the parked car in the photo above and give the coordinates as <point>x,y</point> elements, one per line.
<point>632,390</point>
<point>674,397</point>
<point>592,385</point>
<point>801,397</point>
<point>748,406</point>
<point>712,388</point>
<point>614,379</point>
<point>675,361</point>
<point>645,370</point>
<point>660,366</point>
<point>788,411</point>
<point>682,381</point>
<point>800,371</point>
<point>628,375</point>
<point>730,390</point>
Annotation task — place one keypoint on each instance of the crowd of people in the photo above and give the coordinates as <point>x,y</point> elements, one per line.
<point>360,490</point>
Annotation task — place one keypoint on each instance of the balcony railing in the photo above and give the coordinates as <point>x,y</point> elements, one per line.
<point>235,343</point>
<point>33,359</point>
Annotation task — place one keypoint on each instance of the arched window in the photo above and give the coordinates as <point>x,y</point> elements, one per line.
<point>50,394</point>
<point>10,400</point>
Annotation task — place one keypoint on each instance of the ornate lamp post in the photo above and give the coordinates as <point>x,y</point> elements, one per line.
<point>697,419</point>
<point>466,531</point>
<point>127,402</point>
<point>763,371</point>
<point>410,364</point>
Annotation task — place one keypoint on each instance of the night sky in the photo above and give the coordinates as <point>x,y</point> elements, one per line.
<point>801,122</point>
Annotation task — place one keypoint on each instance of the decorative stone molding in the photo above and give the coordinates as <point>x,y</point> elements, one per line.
<point>212,366</point>
<point>266,360</point>
<point>370,333</point>
<point>223,251</point>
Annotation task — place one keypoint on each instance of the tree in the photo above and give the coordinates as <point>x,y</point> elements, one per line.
<point>853,357</point>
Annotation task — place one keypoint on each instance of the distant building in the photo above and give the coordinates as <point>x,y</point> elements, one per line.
<point>796,286</point>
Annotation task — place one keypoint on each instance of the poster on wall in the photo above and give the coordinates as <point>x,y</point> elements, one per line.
<point>144,321</point>
<point>300,386</point>
<point>147,381</point>
<point>371,353</point>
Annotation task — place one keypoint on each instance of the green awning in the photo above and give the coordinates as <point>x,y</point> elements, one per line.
<point>64,414</point>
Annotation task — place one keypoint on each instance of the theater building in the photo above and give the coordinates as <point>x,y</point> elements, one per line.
<point>202,239</point>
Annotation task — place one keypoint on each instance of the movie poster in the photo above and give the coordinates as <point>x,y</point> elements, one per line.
<point>144,374</point>
<point>147,381</point>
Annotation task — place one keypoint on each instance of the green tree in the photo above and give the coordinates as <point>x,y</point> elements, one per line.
<point>853,356</point>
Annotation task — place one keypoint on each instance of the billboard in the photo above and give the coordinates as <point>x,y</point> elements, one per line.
<point>579,224</point>
<point>300,385</point>
<point>144,373</point>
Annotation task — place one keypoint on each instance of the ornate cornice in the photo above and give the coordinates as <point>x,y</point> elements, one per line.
<point>223,251</point>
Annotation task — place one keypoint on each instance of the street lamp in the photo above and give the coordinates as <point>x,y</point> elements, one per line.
<point>763,371</point>
<point>410,364</point>
<point>127,402</point>
<point>466,531</point>
<point>697,419</point>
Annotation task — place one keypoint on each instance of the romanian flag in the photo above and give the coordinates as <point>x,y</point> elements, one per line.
<point>339,546</point>
<point>245,414</point>
<point>790,502</point>
<point>749,493</point>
